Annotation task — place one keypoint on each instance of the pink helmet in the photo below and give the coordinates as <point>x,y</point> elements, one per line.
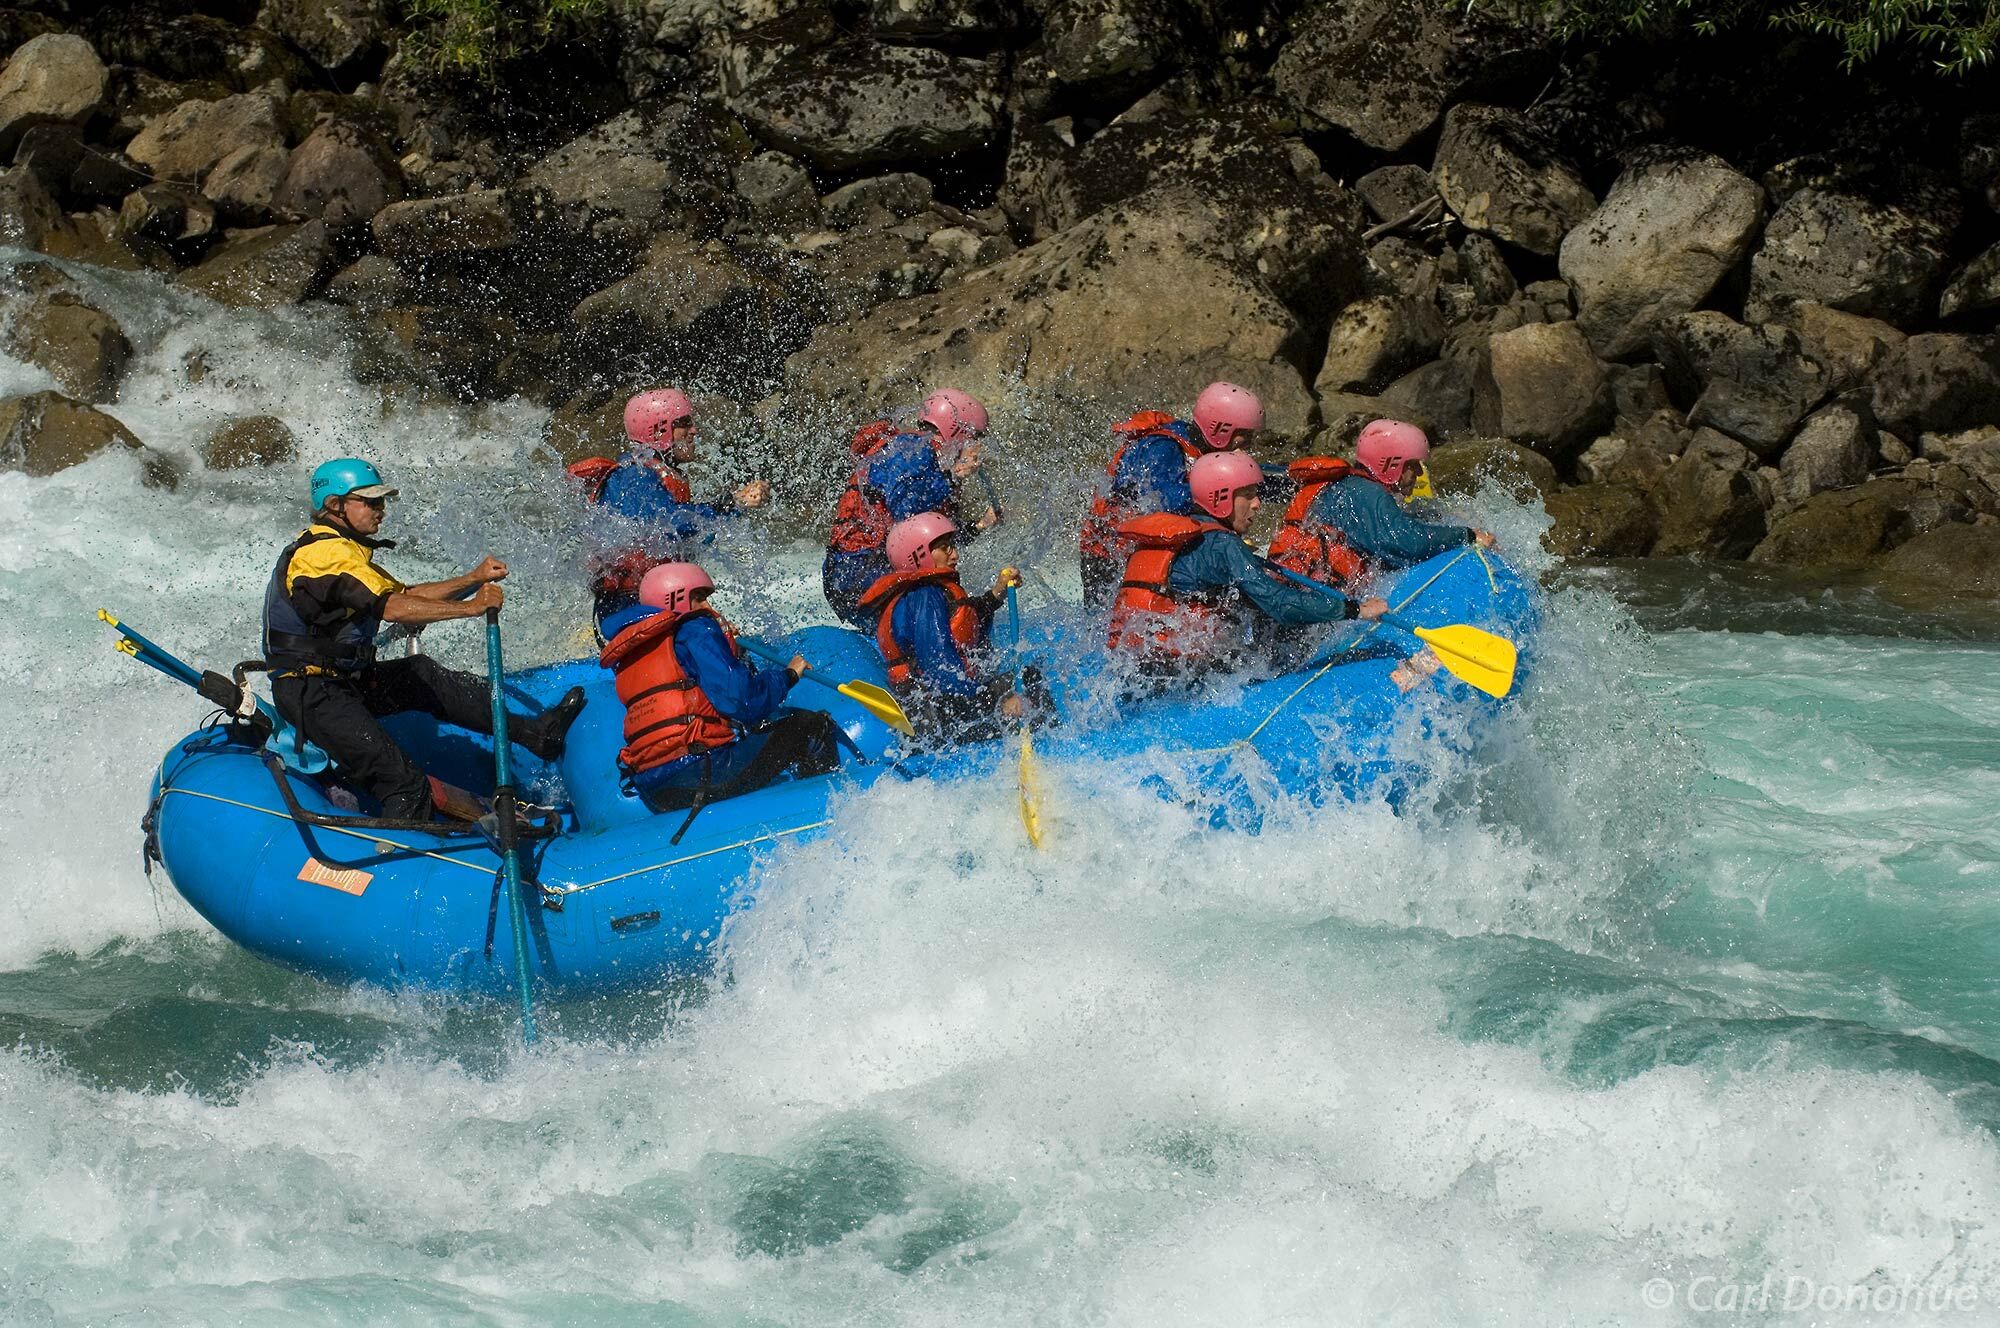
<point>910,541</point>
<point>671,587</point>
<point>954,414</point>
<point>651,416</point>
<point>1385,446</point>
<point>1218,477</point>
<point>1222,410</point>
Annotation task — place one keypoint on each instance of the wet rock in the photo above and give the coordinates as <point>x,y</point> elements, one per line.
<point>1162,271</point>
<point>1847,253</point>
<point>43,433</point>
<point>1976,288</point>
<point>1400,267</point>
<point>339,175</point>
<point>252,440</point>
<point>653,167</point>
<point>460,349</point>
<point>777,190</point>
<point>689,305</point>
<point>169,213</point>
<point>372,284</point>
<point>1969,469</point>
<point>1096,53</point>
<point>1666,234</point>
<point>97,238</point>
<point>333,32</point>
<point>878,201</point>
<point>476,222</point>
<point>1393,192</point>
<point>1502,177</point>
<point>1947,564</point>
<point>1485,270</point>
<point>244,183</point>
<point>1938,383</point>
<point>1754,383</point>
<point>28,214</point>
<point>265,268</point>
<point>858,105</point>
<point>194,48</point>
<point>1436,396</point>
<point>934,19</point>
<point>52,79</point>
<point>1459,467</point>
<point>1843,529</point>
<point>1847,345</point>
<point>863,269</point>
<point>1834,450</point>
<point>1374,341</point>
<point>1709,500</point>
<point>51,152</point>
<point>80,346</point>
<point>187,142</point>
<point>106,176</point>
<point>1602,521</point>
<point>1541,385</point>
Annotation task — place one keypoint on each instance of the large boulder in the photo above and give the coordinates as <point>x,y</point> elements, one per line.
<point>1754,383</point>
<point>186,143</point>
<point>333,32</point>
<point>649,168</point>
<point>1094,52</point>
<point>1709,501</point>
<point>1847,345</point>
<point>1848,253</point>
<point>1459,467</point>
<point>193,48</point>
<point>1668,231</point>
<point>1375,341</point>
<point>1124,309</point>
<point>1842,529</point>
<point>1501,176</point>
<point>1947,565</point>
<point>934,19</point>
<point>777,190</point>
<point>691,308</point>
<point>80,346</point>
<point>28,212</point>
<point>340,175</point>
<point>244,183</point>
<point>265,268</point>
<point>247,441</point>
<point>1938,383</point>
<point>860,105</point>
<point>1541,385</point>
<point>479,221</point>
<point>1601,521</point>
<point>1970,469</point>
<point>460,349</point>
<point>46,432</point>
<point>1834,450</point>
<point>173,214</point>
<point>52,79</point>
<point>1975,289</point>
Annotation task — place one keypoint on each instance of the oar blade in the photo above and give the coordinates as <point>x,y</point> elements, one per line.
<point>1030,781</point>
<point>1479,659</point>
<point>879,703</point>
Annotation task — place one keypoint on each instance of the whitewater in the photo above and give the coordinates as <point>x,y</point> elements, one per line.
<point>1676,1007</point>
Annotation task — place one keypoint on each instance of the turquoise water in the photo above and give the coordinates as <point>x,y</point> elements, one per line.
<point>1677,1009</point>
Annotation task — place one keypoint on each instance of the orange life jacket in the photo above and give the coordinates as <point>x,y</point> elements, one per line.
<point>861,520</point>
<point>1156,541</point>
<point>667,716</point>
<point>596,471</point>
<point>1310,547</point>
<point>1099,538</point>
<point>620,573</point>
<point>967,632</point>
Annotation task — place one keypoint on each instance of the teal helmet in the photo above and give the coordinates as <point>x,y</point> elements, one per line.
<point>347,477</point>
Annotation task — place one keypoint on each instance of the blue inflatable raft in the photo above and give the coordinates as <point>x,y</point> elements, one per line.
<point>278,867</point>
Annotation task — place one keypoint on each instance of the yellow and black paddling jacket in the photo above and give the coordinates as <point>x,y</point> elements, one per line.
<point>324,604</point>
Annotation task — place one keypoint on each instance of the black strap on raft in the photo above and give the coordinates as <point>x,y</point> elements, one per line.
<point>700,798</point>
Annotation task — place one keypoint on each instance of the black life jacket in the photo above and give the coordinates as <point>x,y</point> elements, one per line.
<point>291,645</point>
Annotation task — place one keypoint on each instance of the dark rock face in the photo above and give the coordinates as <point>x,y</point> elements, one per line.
<point>332,32</point>
<point>1844,529</point>
<point>1938,383</point>
<point>1710,501</point>
<point>1846,253</point>
<point>1944,564</point>
<point>858,105</point>
<point>1603,521</point>
<point>1094,52</point>
<point>1502,177</point>
<point>1754,383</point>
<point>943,19</point>
<point>264,268</point>
<point>653,167</point>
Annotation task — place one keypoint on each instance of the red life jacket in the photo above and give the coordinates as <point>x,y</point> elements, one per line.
<point>1099,538</point>
<point>620,574</point>
<point>595,471</point>
<point>1156,541</point>
<point>667,715</point>
<point>861,520</point>
<point>1310,547</point>
<point>967,632</point>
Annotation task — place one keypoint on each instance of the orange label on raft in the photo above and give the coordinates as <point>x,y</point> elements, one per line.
<point>344,879</point>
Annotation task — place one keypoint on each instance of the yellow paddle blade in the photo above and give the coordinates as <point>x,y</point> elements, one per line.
<point>1422,488</point>
<point>878,703</point>
<point>1478,658</point>
<point>1031,791</point>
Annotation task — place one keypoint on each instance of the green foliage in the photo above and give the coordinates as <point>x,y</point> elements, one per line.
<point>476,37</point>
<point>1960,35</point>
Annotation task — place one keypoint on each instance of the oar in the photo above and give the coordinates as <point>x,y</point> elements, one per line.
<point>992,496</point>
<point>1479,659</point>
<point>875,700</point>
<point>1026,777</point>
<point>152,654</point>
<point>508,833</point>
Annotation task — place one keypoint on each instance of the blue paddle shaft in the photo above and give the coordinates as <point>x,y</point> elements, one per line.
<point>503,810</point>
<point>1014,624</point>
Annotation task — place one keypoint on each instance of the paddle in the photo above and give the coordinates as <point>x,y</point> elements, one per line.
<point>1026,777</point>
<point>875,700</point>
<point>992,497</point>
<point>1478,659</point>
<point>508,832</point>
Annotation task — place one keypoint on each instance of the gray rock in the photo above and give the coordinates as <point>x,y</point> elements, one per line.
<point>186,143</point>
<point>859,105</point>
<point>476,222</point>
<point>1435,396</point>
<point>1948,565</point>
<point>1399,267</point>
<point>1461,466</point>
<point>1373,341</point>
<point>80,346</point>
<point>339,175</point>
<point>690,305</point>
<point>1664,236</point>
<point>641,171</point>
<point>921,19</point>
<point>1502,177</point>
<point>1097,50</point>
<point>1971,472</point>
<point>1485,270</point>
<point>373,284</point>
<point>1541,385</point>
<point>194,48</point>
<point>43,433</point>
<point>265,268</point>
<point>1835,450</point>
<point>1847,345</point>
<point>244,183</point>
<point>332,32</point>
<point>1754,383</point>
<point>1709,501</point>
<point>1938,383</point>
<point>878,201</point>
<point>97,238</point>
<point>865,268</point>
<point>1976,288</point>
<point>1601,521</point>
<point>1847,253</point>
<point>169,213</point>
<point>777,189</point>
<point>52,79</point>
<point>251,440</point>
<point>1393,192</point>
<point>1843,529</point>
<point>28,214</point>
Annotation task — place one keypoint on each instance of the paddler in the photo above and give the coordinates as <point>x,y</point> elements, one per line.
<point>1349,521</point>
<point>702,723</point>
<point>1147,473</point>
<point>899,474</point>
<point>1193,596</point>
<point>323,605</point>
<point>935,637</point>
<point>644,485</point>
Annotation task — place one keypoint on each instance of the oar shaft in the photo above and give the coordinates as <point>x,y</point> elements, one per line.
<point>508,830</point>
<point>163,660</point>
<point>770,656</point>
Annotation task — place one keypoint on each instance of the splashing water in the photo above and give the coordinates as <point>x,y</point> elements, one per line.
<point>1687,985</point>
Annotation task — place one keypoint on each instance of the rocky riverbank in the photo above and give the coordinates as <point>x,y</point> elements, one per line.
<point>1711,299</point>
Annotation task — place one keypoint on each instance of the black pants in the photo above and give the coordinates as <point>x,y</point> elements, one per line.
<point>945,719</point>
<point>340,714</point>
<point>806,742</point>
